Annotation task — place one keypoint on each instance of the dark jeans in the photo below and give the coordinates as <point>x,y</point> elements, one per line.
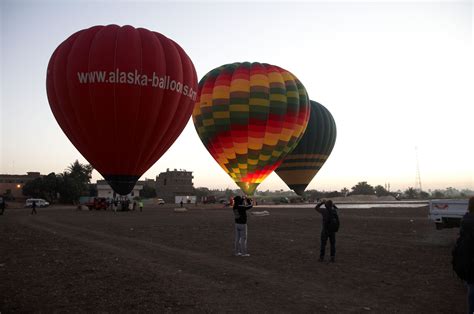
<point>324,239</point>
<point>470,297</point>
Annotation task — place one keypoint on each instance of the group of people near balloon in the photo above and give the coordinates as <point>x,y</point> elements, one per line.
<point>253,118</point>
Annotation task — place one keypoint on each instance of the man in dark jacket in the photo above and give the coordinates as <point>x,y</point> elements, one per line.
<point>325,232</point>
<point>467,231</point>
<point>240,208</point>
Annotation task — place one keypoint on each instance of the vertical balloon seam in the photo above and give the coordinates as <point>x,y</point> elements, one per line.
<point>290,82</point>
<point>327,143</point>
<point>324,138</point>
<point>99,166</point>
<point>281,117</point>
<point>221,142</point>
<point>262,72</point>
<point>55,108</point>
<point>178,112</point>
<point>300,142</point>
<point>60,101</point>
<point>156,99</point>
<point>151,153</point>
<point>261,156</point>
<point>174,133</point>
<point>186,66</point>
<point>244,67</point>
<point>60,119</point>
<point>256,178</point>
<point>141,140</point>
<point>325,129</point>
<point>217,141</point>
<point>333,133</point>
<point>212,140</point>
<point>298,131</point>
<point>87,154</point>
<point>61,58</point>
<point>168,132</point>
<point>117,141</point>
<point>161,143</point>
<point>310,145</point>
<point>134,168</point>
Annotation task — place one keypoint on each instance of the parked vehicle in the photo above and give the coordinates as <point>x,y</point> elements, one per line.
<point>447,213</point>
<point>160,201</point>
<point>211,199</point>
<point>39,202</point>
<point>98,203</point>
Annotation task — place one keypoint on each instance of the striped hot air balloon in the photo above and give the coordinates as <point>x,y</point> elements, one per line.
<point>304,162</point>
<point>249,117</point>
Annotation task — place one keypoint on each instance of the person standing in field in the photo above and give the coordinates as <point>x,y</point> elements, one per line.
<point>33,208</point>
<point>463,254</point>
<point>330,226</point>
<point>240,214</point>
<point>2,205</point>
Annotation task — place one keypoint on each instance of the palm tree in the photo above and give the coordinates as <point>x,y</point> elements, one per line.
<point>411,193</point>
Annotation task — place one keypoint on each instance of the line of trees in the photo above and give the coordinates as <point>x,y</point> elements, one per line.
<point>65,187</point>
<point>74,182</point>
<point>361,188</point>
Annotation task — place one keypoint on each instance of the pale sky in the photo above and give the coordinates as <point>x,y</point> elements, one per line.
<point>395,76</point>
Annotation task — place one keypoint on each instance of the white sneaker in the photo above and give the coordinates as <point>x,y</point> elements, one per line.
<point>245,255</point>
<point>238,254</point>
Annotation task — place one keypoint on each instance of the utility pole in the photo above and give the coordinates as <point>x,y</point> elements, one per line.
<point>418,177</point>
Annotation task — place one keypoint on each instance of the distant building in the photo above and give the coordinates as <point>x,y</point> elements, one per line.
<point>104,190</point>
<point>148,182</point>
<point>12,184</point>
<point>173,185</point>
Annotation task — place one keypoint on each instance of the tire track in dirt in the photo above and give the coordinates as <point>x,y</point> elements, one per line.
<point>204,270</point>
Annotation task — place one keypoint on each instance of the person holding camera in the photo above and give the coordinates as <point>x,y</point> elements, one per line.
<point>329,228</point>
<point>241,205</point>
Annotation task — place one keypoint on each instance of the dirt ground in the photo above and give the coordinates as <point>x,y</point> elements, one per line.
<point>65,260</point>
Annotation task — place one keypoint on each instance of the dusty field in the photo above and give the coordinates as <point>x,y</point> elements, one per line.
<point>64,260</point>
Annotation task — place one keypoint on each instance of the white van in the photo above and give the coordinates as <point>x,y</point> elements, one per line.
<point>447,213</point>
<point>39,202</point>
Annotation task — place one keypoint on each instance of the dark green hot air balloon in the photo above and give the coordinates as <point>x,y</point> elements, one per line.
<point>303,163</point>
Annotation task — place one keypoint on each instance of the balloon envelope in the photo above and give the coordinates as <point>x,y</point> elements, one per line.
<point>303,163</point>
<point>249,117</point>
<point>122,95</point>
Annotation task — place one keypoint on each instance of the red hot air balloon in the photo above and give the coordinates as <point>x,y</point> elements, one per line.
<point>122,95</point>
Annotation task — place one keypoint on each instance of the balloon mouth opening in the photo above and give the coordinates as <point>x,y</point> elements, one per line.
<point>298,188</point>
<point>248,188</point>
<point>121,184</point>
